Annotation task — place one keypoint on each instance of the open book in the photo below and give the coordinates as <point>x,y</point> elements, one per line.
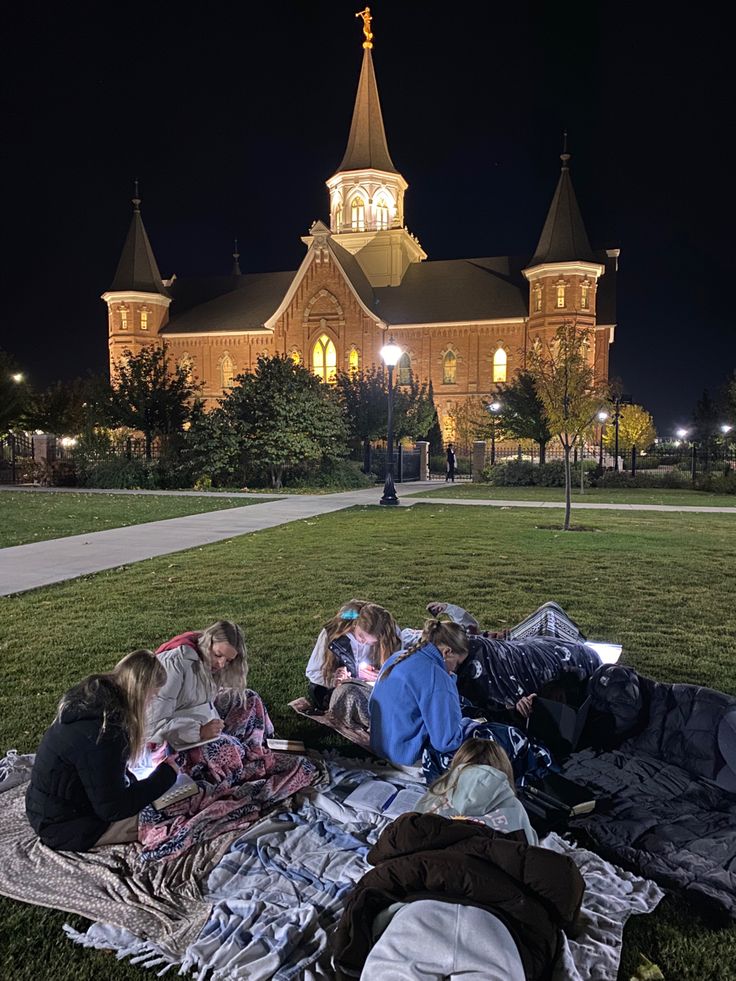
<point>382,797</point>
<point>183,788</point>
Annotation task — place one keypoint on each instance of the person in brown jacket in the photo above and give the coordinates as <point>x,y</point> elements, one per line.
<point>533,891</point>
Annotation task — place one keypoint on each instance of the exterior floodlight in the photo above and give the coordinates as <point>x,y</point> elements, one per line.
<point>495,406</point>
<point>725,428</point>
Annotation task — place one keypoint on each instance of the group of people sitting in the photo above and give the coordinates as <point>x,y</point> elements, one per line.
<point>448,695</point>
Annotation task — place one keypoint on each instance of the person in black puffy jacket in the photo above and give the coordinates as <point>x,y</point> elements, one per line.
<point>81,792</point>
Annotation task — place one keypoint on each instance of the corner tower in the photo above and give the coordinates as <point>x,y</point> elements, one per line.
<point>564,272</point>
<point>367,191</point>
<point>137,301</point>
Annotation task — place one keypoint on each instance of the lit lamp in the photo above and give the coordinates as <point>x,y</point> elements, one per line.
<point>390,354</point>
<point>494,408</point>
<point>602,416</point>
<point>681,433</point>
<point>18,377</point>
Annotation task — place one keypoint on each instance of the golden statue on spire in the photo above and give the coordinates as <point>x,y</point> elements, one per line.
<point>366,16</point>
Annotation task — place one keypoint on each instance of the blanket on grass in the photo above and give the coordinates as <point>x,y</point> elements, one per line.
<point>667,791</point>
<point>280,889</point>
<point>239,779</point>
<point>357,735</point>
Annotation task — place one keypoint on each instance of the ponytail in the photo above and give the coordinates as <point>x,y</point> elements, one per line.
<point>435,632</point>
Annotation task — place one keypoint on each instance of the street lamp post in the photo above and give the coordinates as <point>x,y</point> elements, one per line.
<point>390,354</point>
<point>494,408</point>
<point>616,417</point>
<point>726,429</point>
<point>602,416</point>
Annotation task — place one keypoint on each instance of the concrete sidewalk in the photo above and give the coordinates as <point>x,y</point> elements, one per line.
<point>576,505</point>
<point>24,567</point>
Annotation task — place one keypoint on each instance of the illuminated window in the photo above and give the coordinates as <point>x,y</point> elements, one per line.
<point>381,214</point>
<point>186,363</point>
<point>357,215</point>
<point>536,347</point>
<point>537,298</point>
<point>449,368</point>
<point>295,355</point>
<point>338,217</point>
<point>324,359</point>
<point>499,365</point>
<point>123,318</point>
<point>560,296</point>
<point>227,372</point>
<point>354,361</point>
<point>585,295</point>
<point>404,370</point>
<point>144,319</point>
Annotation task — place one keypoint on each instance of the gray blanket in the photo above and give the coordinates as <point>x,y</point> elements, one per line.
<point>665,807</point>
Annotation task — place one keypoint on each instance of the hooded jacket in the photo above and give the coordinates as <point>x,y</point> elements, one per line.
<point>187,699</point>
<point>80,783</point>
<point>534,891</point>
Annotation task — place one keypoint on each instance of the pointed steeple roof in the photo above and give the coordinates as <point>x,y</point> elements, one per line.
<point>137,269</point>
<point>563,237</point>
<point>367,147</point>
<point>236,261</point>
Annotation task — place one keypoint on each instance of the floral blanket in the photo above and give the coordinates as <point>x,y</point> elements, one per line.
<point>239,779</point>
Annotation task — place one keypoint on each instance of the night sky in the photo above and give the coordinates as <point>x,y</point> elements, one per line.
<point>233,115</point>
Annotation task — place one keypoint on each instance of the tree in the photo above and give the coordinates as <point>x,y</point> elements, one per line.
<point>150,394</point>
<point>523,411</point>
<point>64,407</point>
<point>469,420</point>
<point>364,396</point>
<point>564,380</point>
<point>14,393</point>
<point>635,428</point>
<point>289,417</point>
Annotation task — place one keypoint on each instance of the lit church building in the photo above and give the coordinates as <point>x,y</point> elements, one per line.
<point>466,325</point>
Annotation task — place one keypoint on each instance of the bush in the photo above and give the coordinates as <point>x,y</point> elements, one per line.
<point>58,473</point>
<point>670,480</point>
<point>339,474</point>
<point>717,483</point>
<point>523,473</point>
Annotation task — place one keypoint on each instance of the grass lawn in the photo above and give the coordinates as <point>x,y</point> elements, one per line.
<point>592,495</point>
<point>660,584</point>
<point>35,517</point>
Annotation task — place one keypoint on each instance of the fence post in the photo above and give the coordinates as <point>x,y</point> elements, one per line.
<point>423,447</point>
<point>518,452</point>
<point>633,461</point>
<point>478,460</point>
<point>366,455</point>
<point>400,464</point>
<point>694,464</point>
<point>12,457</point>
<point>129,448</point>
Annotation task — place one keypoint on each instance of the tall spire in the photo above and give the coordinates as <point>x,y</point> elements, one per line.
<point>137,269</point>
<point>563,237</point>
<point>236,261</point>
<point>367,148</point>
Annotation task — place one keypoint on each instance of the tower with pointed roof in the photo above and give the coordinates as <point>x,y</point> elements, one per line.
<point>138,299</point>
<point>367,191</point>
<point>563,273</point>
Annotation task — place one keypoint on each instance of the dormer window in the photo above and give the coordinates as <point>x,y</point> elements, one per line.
<point>560,296</point>
<point>357,215</point>
<point>382,215</point>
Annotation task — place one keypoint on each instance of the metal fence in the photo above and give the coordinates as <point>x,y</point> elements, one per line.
<point>16,459</point>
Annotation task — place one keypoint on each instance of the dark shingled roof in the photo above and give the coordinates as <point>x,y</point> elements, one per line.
<point>563,238</point>
<point>137,269</point>
<point>367,147</point>
<point>455,290</point>
<point>250,300</point>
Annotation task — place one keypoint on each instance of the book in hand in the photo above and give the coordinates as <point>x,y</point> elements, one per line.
<point>286,745</point>
<point>183,788</point>
<point>183,749</point>
<point>383,798</point>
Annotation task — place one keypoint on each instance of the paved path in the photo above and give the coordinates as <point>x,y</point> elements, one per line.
<point>24,567</point>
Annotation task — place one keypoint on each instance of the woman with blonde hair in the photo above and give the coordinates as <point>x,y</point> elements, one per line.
<point>81,792</point>
<point>352,646</point>
<point>479,784</point>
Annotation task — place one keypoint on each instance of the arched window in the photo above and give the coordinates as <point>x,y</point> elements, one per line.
<point>449,368</point>
<point>404,370</point>
<point>144,319</point>
<point>537,298</point>
<point>123,318</point>
<point>585,295</point>
<point>338,217</point>
<point>227,372</point>
<point>354,361</point>
<point>381,214</point>
<point>561,296</point>
<point>186,363</point>
<point>295,355</point>
<point>357,215</point>
<point>499,365</point>
<point>324,359</point>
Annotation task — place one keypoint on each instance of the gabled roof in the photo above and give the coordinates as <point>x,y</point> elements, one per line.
<point>367,147</point>
<point>563,237</point>
<point>137,269</point>
<point>247,304</point>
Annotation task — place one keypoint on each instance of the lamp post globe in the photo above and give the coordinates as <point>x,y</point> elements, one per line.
<point>681,433</point>
<point>390,354</point>
<point>18,377</point>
